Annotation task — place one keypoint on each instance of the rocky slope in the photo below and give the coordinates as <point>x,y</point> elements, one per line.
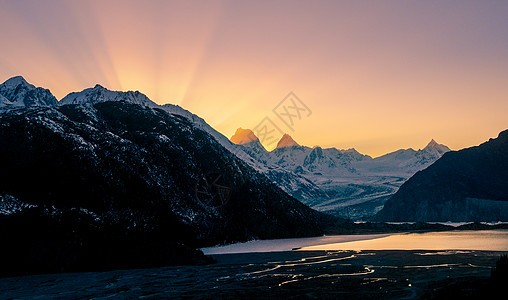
<point>16,89</point>
<point>112,184</point>
<point>466,185</point>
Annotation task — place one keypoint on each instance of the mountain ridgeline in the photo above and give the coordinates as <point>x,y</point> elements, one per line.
<point>345,183</point>
<point>466,185</point>
<point>103,183</point>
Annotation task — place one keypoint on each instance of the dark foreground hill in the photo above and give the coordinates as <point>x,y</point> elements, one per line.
<point>466,185</point>
<point>119,185</point>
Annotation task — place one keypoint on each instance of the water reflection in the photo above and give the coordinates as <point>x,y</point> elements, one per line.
<point>487,240</point>
<point>492,240</point>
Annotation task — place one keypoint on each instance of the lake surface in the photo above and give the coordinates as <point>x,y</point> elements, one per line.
<point>287,244</point>
<point>487,240</point>
<point>335,274</point>
<point>491,240</point>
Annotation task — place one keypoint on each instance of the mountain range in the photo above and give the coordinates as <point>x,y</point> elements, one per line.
<point>345,183</point>
<point>352,185</point>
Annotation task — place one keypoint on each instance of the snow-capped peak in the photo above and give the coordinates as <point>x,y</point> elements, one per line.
<point>15,81</point>
<point>439,147</point>
<point>286,141</point>
<point>16,92</point>
<point>243,136</point>
<point>432,143</point>
<point>101,94</point>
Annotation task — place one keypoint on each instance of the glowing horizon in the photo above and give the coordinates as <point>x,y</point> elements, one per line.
<point>378,76</point>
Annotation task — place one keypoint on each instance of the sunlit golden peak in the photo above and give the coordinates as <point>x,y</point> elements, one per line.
<point>286,141</point>
<point>243,136</point>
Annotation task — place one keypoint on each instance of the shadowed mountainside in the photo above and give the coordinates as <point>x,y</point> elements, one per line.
<point>115,183</point>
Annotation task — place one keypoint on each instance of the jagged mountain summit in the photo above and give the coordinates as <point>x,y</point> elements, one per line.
<point>243,136</point>
<point>245,140</point>
<point>286,141</point>
<point>438,147</point>
<point>465,185</point>
<point>16,92</point>
<point>101,94</point>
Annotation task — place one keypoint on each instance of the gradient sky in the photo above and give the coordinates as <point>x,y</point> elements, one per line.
<point>377,75</point>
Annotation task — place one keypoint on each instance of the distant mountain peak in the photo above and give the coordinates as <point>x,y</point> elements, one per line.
<point>432,143</point>
<point>435,145</point>
<point>286,141</point>
<point>243,136</point>
<point>98,87</point>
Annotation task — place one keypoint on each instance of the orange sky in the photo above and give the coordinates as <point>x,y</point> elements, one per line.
<point>377,75</point>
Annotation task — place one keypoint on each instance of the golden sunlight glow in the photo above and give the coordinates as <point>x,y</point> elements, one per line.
<point>378,77</point>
